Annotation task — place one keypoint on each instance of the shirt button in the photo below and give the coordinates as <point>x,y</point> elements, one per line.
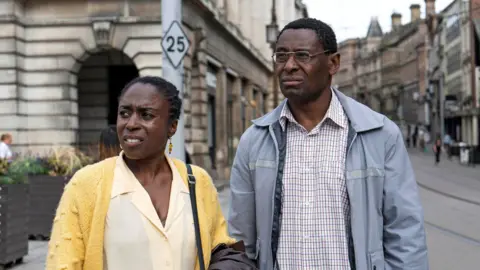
<point>167,263</point>
<point>306,236</point>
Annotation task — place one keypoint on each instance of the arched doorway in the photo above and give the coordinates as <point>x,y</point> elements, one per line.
<point>100,81</point>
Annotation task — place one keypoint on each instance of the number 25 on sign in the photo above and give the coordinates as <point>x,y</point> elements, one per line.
<point>175,44</point>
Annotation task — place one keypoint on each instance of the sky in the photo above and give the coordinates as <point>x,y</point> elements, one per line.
<point>350,18</point>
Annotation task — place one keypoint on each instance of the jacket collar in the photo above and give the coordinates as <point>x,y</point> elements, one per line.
<point>360,117</point>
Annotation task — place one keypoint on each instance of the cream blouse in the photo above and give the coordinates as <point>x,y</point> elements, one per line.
<point>134,236</point>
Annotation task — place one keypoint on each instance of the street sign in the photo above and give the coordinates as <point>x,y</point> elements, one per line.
<point>175,44</point>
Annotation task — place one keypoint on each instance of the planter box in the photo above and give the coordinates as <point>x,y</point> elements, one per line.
<point>45,194</point>
<point>13,223</point>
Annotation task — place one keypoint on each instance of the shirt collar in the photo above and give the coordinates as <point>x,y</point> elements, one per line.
<point>126,182</point>
<point>334,112</point>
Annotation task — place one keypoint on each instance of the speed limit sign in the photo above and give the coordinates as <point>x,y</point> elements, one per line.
<point>175,44</point>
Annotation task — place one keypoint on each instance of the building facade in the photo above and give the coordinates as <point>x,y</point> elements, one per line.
<point>345,78</point>
<point>388,71</point>
<point>63,64</point>
<point>251,17</point>
<point>454,73</point>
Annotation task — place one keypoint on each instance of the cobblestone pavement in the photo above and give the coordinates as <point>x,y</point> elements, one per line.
<point>450,194</point>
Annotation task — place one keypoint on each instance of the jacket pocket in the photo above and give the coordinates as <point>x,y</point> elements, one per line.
<point>377,262</point>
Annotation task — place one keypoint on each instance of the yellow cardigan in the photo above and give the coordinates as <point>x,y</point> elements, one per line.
<point>77,236</point>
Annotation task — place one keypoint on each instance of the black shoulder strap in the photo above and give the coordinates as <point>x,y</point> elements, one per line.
<point>193,199</point>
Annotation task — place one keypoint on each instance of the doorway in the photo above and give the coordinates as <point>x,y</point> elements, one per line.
<point>211,79</point>
<point>118,77</point>
<point>100,81</point>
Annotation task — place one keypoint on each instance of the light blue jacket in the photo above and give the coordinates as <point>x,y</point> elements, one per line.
<point>387,228</point>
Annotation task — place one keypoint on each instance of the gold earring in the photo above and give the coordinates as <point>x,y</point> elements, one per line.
<point>170,147</point>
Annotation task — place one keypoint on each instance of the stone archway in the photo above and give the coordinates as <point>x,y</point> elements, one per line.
<point>101,78</point>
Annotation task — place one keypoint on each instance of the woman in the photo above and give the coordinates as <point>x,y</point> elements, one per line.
<point>133,211</point>
<point>109,146</point>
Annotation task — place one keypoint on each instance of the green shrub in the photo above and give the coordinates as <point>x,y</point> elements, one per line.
<point>14,172</point>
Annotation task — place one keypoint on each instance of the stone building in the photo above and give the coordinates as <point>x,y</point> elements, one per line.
<point>404,69</point>
<point>453,71</point>
<point>389,70</point>
<point>345,78</point>
<point>251,18</point>
<point>367,65</point>
<point>63,64</point>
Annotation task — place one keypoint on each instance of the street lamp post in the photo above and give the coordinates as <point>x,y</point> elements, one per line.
<point>272,34</point>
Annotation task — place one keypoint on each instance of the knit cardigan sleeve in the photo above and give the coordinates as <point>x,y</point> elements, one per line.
<point>76,238</point>
<point>66,248</point>
<point>219,232</point>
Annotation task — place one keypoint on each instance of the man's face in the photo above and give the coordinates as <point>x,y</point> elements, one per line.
<point>303,77</point>
<point>9,140</point>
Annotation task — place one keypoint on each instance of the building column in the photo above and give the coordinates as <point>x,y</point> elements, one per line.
<point>475,130</point>
<point>248,91</point>
<point>197,135</point>
<point>47,85</point>
<point>221,125</point>
<point>237,108</point>
<point>11,62</point>
<point>464,129</point>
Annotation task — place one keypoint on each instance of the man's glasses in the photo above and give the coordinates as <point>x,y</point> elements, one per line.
<point>299,56</point>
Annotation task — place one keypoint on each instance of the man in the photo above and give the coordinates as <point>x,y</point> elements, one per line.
<point>6,141</point>
<point>323,182</point>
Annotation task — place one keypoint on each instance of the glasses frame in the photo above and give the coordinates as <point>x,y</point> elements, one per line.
<point>274,56</point>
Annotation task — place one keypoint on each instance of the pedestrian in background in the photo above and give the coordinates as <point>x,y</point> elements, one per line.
<point>135,211</point>
<point>5,142</point>
<point>324,182</point>
<point>408,136</point>
<point>437,149</point>
<point>109,145</point>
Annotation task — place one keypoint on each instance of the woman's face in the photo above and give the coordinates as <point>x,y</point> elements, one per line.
<point>143,124</point>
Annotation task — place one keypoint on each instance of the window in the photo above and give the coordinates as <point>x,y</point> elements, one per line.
<point>454,86</point>
<point>255,99</point>
<point>264,103</point>
<point>230,83</point>
<point>454,59</point>
<point>453,29</point>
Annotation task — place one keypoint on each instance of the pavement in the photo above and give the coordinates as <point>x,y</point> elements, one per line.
<point>450,194</point>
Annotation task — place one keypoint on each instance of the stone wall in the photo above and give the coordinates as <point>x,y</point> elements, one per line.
<point>53,78</point>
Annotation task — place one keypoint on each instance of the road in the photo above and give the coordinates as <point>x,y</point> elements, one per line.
<point>451,198</point>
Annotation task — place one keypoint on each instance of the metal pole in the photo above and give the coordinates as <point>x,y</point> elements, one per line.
<point>275,85</point>
<point>275,82</point>
<point>172,11</point>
